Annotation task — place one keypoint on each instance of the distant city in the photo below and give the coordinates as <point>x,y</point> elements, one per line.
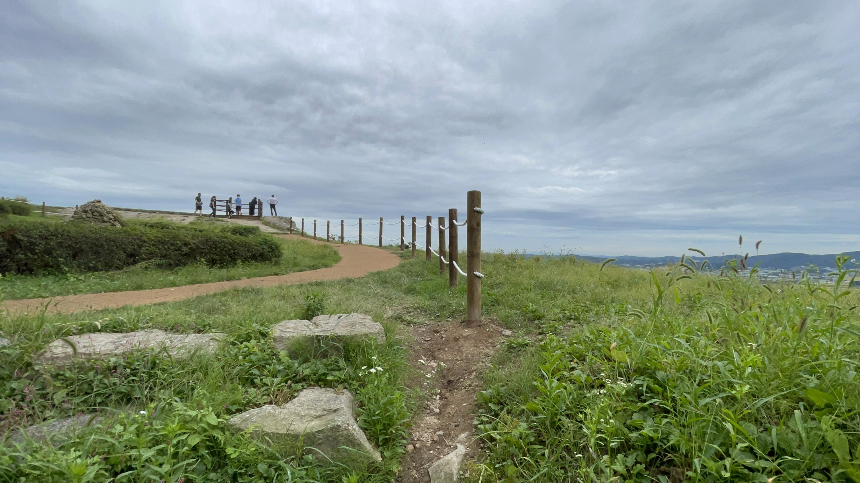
<point>773,267</point>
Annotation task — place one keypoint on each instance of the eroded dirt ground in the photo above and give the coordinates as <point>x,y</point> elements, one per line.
<point>449,357</point>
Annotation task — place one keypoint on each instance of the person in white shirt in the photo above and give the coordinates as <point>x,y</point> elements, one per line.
<point>273,210</point>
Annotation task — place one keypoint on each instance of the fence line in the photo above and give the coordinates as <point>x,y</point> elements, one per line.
<point>448,253</point>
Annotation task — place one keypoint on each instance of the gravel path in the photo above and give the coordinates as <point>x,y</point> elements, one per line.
<point>356,261</point>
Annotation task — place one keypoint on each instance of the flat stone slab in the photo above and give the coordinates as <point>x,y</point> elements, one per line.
<point>341,326</point>
<point>321,420</point>
<point>57,430</point>
<point>108,345</point>
<point>447,469</point>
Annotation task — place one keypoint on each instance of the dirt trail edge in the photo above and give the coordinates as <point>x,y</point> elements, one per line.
<point>449,357</point>
<point>356,261</point>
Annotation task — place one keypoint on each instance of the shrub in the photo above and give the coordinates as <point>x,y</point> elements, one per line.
<point>10,207</point>
<point>37,248</point>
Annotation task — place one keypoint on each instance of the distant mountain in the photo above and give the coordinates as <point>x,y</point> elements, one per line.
<point>775,261</point>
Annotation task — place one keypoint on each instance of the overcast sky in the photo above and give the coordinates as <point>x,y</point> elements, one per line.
<point>600,127</point>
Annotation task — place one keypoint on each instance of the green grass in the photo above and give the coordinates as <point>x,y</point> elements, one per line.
<point>607,377</point>
<point>297,256</point>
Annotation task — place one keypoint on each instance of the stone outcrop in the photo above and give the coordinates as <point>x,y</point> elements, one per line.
<point>107,345</point>
<point>97,213</point>
<point>321,420</point>
<point>58,430</point>
<point>447,469</point>
<point>343,327</point>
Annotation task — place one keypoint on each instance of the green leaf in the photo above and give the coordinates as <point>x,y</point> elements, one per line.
<point>212,419</point>
<point>194,439</point>
<point>618,355</point>
<point>606,262</point>
<point>820,398</point>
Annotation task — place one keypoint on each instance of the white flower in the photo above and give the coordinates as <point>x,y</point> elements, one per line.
<point>372,369</point>
<point>374,357</point>
<point>578,455</point>
<point>143,413</point>
<point>363,367</point>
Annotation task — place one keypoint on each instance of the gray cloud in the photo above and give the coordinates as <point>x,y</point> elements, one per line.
<point>581,122</point>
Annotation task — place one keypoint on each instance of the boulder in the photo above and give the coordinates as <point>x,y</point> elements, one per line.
<point>321,420</point>
<point>97,213</point>
<point>5,342</point>
<point>57,431</point>
<point>342,327</point>
<point>107,345</point>
<point>447,469</point>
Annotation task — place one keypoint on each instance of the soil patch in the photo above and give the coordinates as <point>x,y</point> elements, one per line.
<point>449,357</point>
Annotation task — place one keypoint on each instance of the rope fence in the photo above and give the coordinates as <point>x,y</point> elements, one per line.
<point>448,253</point>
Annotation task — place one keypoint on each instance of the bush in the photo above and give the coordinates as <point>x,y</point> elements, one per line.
<point>10,207</point>
<point>39,248</point>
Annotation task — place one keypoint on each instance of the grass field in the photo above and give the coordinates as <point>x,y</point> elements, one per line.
<point>612,375</point>
<point>298,255</point>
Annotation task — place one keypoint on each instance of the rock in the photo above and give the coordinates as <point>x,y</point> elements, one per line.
<point>410,448</point>
<point>57,430</point>
<point>290,334</point>
<point>447,469</point>
<point>5,342</point>
<point>107,345</point>
<point>321,420</point>
<point>507,333</point>
<point>98,213</point>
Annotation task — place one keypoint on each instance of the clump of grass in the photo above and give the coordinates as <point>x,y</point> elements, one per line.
<point>724,379</point>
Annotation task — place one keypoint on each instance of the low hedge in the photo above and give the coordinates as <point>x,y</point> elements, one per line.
<point>42,248</point>
<point>10,207</point>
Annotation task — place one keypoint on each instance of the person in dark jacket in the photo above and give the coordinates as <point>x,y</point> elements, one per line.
<point>253,206</point>
<point>212,205</point>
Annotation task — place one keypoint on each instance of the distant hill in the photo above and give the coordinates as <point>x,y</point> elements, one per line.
<point>775,261</point>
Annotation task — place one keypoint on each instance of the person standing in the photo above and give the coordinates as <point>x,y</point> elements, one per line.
<point>238,205</point>
<point>229,207</point>
<point>252,206</point>
<point>273,210</point>
<point>198,205</point>
<point>212,204</point>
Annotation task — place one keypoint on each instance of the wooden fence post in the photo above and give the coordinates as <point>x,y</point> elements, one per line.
<point>380,232</point>
<point>402,232</point>
<point>429,237</point>
<point>441,244</point>
<point>452,248</point>
<point>414,234</point>
<point>360,227</point>
<point>341,232</point>
<point>473,256</point>
<point>43,209</point>
<point>303,227</point>
<point>327,230</point>
<point>291,225</point>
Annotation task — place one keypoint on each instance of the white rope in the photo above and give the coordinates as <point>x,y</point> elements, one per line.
<point>479,274</point>
<point>434,253</point>
<point>460,224</point>
<point>443,260</point>
<point>458,269</point>
<point>443,228</point>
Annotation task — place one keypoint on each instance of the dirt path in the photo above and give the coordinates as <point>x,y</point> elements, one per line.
<point>356,261</point>
<point>453,355</point>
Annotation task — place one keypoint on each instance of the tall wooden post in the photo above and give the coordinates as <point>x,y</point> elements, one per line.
<point>359,231</point>
<point>341,232</point>
<point>303,227</point>
<point>473,256</point>
<point>315,228</point>
<point>441,245</point>
<point>291,225</point>
<point>452,248</point>
<point>43,209</point>
<point>429,237</point>
<point>414,235</point>
<point>380,232</point>
<point>327,230</point>
<point>402,232</point>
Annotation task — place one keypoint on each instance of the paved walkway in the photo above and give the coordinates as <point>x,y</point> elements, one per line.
<point>356,261</point>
